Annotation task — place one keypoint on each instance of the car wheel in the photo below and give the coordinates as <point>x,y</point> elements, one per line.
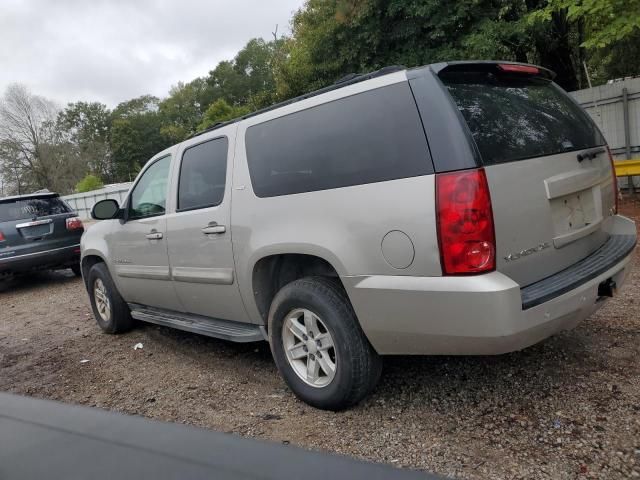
<point>110,310</point>
<point>318,345</point>
<point>76,270</point>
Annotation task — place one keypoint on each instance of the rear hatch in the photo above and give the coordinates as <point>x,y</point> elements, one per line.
<point>36,223</point>
<point>546,162</point>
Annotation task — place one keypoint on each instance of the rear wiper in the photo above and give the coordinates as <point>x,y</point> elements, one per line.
<point>590,154</point>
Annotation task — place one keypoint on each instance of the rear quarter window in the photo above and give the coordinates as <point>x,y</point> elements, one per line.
<point>32,207</point>
<point>365,138</point>
<point>514,118</point>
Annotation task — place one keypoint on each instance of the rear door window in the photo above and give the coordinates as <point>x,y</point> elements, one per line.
<point>365,138</point>
<point>32,207</point>
<point>514,118</point>
<point>203,174</point>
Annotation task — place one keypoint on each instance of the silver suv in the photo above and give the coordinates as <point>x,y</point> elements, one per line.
<point>463,208</point>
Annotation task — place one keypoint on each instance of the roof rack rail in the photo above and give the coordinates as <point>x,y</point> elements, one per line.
<point>346,78</point>
<point>349,79</point>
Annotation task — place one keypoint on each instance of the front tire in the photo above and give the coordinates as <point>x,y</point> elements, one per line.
<point>110,310</point>
<point>318,345</point>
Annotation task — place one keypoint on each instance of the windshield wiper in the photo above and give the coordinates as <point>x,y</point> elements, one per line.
<point>590,154</point>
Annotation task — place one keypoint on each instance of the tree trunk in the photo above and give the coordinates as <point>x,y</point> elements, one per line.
<point>555,52</point>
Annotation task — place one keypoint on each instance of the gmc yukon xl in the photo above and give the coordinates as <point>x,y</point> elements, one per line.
<point>459,208</point>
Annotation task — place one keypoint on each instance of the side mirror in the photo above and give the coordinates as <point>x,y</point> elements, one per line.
<point>105,209</point>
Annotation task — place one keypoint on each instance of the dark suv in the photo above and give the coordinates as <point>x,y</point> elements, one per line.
<point>37,232</point>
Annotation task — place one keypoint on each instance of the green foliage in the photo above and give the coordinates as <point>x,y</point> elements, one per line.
<point>183,109</point>
<point>136,135</point>
<point>89,183</point>
<point>337,37</point>
<point>221,111</point>
<point>248,79</point>
<point>607,21</point>
<point>87,126</point>
<point>332,38</point>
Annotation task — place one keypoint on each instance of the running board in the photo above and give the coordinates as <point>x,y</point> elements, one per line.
<point>211,327</point>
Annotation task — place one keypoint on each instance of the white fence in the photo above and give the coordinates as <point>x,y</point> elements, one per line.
<point>615,107</point>
<point>83,202</point>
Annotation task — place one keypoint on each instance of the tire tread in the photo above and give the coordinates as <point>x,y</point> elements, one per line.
<point>366,364</point>
<point>121,320</point>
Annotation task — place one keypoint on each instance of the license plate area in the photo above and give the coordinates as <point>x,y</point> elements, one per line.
<point>575,215</point>
<point>36,229</point>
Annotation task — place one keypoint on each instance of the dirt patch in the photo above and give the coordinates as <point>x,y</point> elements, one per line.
<point>566,408</point>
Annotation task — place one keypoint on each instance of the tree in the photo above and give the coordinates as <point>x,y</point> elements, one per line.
<point>248,79</point>
<point>221,111</point>
<point>87,125</point>
<point>183,109</point>
<point>332,38</point>
<point>607,21</point>
<point>607,33</point>
<point>136,135</point>
<point>33,153</point>
<point>88,184</point>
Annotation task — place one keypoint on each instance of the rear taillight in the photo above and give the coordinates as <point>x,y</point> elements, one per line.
<point>511,68</point>
<point>466,234</point>
<point>2,239</point>
<point>616,193</point>
<point>74,223</point>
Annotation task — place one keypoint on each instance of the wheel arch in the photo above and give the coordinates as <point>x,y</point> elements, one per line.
<point>272,272</point>
<point>89,259</point>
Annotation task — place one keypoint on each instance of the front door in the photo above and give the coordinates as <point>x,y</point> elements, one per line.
<point>199,232</point>
<point>139,245</point>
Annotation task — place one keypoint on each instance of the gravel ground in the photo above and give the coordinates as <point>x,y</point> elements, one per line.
<point>566,408</point>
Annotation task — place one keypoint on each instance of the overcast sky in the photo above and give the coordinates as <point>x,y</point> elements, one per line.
<point>114,50</point>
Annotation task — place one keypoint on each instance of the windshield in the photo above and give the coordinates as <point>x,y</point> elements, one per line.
<point>514,118</point>
<point>32,207</point>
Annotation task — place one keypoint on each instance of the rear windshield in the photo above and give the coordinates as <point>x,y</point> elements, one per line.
<point>514,118</point>
<point>32,207</point>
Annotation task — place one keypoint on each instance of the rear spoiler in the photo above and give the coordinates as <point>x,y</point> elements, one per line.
<point>514,68</point>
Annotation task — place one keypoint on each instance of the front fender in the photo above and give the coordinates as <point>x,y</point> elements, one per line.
<point>94,244</point>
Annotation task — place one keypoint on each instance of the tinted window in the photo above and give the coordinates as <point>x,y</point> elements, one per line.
<point>149,196</point>
<point>32,207</point>
<point>203,175</point>
<point>513,119</point>
<point>368,137</point>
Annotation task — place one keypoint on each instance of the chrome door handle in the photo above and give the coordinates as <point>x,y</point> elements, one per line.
<point>153,235</point>
<point>213,228</point>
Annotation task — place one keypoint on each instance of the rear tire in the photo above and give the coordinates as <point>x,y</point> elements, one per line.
<point>318,345</point>
<point>77,271</point>
<point>110,310</point>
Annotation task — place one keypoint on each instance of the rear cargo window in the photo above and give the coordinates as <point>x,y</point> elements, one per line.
<point>518,118</point>
<point>365,138</point>
<point>32,207</point>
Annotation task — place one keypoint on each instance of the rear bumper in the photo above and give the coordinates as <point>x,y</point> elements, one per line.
<point>53,258</point>
<point>480,315</point>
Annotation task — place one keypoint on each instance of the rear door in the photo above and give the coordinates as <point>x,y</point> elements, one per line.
<point>547,166</point>
<point>35,223</point>
<point>199,232</point>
